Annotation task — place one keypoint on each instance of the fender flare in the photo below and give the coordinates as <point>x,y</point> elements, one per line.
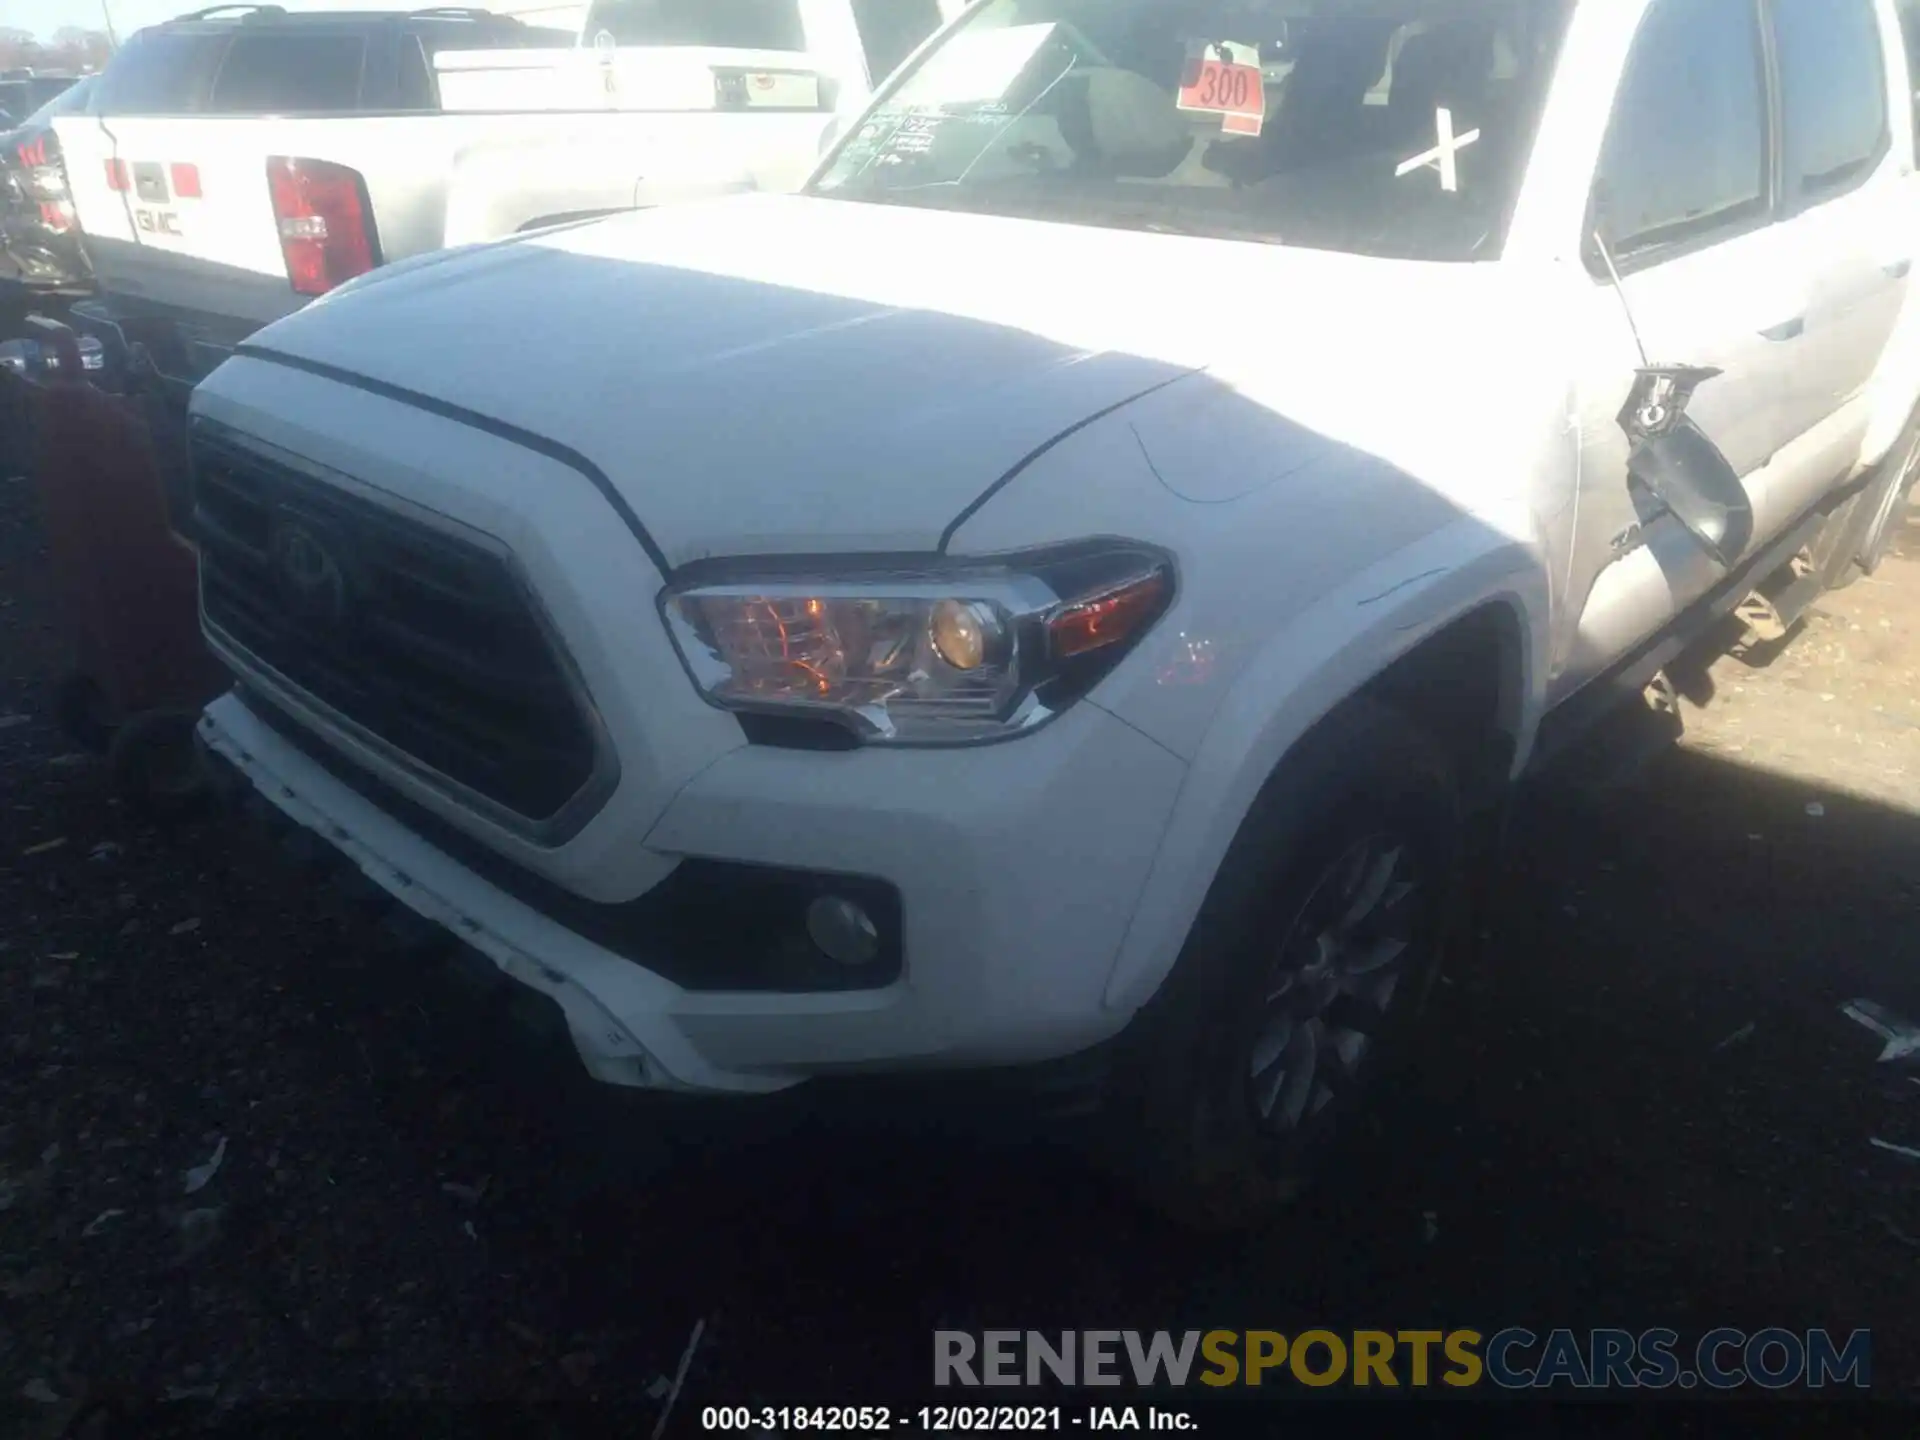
<point>1328,655</point>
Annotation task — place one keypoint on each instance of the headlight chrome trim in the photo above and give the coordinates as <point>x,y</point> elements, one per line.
<point>1030,587</point>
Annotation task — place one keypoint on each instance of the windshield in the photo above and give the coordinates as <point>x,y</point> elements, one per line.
<point>1381,127</point>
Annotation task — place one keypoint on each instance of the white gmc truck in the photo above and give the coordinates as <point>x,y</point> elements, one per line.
<point>240,160</point>
<point>1073,588</point>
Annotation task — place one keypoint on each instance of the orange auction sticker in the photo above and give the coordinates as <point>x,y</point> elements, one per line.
<point>1224,79</point>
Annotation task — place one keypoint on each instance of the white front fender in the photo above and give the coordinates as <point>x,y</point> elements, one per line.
<point>1324,657</point>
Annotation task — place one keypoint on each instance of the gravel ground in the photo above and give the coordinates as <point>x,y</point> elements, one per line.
<point>1638,1104</point>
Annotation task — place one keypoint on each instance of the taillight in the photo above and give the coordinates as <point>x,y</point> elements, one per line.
<point>326,233</point>
<point>117,175</point>
<point>186,182</point>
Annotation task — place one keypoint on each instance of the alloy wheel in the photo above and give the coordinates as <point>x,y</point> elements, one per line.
<point>1335,975</point>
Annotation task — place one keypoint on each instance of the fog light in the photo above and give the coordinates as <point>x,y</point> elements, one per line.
<point>844,932</point>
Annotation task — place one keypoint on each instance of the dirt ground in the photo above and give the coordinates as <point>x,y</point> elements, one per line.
<point>1638,1104</point>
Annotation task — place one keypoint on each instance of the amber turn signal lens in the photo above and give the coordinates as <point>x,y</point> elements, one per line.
<point>1109,618</point>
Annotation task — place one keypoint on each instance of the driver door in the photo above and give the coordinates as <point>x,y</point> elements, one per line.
<point>1684,196</point>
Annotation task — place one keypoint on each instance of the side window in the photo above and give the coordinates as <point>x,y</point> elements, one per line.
<point>290,73</point>
<point>418,90</point>
<point>159,72</point>
<point>890,29</point>
<point>1686,151</point>
<point>1833,94</point>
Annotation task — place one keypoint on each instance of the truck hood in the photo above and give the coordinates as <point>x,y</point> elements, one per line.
<point>780,374</point>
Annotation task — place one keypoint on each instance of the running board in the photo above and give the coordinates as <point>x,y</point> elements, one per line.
<point>1770,618</point>
<point>1629,677</point>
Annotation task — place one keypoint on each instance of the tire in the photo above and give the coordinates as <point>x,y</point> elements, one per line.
<point>158,768</point>
<point>83,712</point>
<point>1367,805</point>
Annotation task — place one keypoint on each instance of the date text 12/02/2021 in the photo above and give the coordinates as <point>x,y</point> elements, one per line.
<point>940,1419</point>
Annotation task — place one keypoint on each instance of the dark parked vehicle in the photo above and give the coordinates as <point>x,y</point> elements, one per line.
<point>39,232</point>
<point>22,91</point>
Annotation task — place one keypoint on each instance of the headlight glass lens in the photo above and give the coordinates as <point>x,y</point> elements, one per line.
<point>964,634</point>
<point>918,658</point>
<point>814,650</point>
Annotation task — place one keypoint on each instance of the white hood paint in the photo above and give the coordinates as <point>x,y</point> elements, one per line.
<point>768,375</point>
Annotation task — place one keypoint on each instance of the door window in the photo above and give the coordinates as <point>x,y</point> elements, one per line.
<point>159,72</point>
<point>1833,95</point>
<point>1686,156</point>
<point>291,73</point>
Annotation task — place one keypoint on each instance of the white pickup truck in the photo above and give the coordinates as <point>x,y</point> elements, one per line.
<point>765,56</point>
<point>1075,586</point>
<point>239,161</point>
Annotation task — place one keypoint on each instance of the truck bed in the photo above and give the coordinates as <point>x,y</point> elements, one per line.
<point>432,180</point>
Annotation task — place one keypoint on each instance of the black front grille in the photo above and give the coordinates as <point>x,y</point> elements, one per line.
<point>421,638</point>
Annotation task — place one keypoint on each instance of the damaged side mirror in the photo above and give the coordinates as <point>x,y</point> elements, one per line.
<point>1677,464</point>
<point>1671,457</point>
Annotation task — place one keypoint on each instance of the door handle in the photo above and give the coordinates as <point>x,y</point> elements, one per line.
<point>1899,269</point>
<point>1787,330</point>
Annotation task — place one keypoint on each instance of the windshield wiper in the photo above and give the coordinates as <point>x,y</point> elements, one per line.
<point>1207,232</point>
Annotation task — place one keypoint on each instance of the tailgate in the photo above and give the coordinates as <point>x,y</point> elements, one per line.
<point>176,211</point>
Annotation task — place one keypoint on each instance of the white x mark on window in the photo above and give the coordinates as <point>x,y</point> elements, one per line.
<point>1444,155</point>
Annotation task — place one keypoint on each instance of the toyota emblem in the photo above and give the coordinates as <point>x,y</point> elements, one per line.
<point>310,578</point>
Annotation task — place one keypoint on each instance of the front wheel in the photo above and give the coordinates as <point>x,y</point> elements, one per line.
<point>158,767</point>
<point>1315,949</point>
<point>83,712</point>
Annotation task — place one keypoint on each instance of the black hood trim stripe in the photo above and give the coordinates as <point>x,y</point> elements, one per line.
<point>526,439</point>
<point>575,461</point>
<point>974,508</point>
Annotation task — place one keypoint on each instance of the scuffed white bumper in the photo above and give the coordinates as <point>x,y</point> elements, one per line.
<point>1018,866</point>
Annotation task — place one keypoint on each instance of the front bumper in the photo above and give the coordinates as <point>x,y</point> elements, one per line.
<point>1017,865</point>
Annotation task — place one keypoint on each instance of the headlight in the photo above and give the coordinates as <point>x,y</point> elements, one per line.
<point>936,655</point>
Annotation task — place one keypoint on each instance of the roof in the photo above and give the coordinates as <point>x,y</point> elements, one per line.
<point>224,17</point>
